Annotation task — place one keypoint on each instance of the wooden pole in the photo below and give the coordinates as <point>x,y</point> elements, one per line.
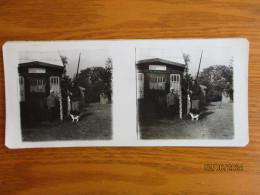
<point>180,104</point>
<point>78,68</point>
<point>199,66</point>
<point>59,93</point>
<point>61,107</point>
<point>188,96</point>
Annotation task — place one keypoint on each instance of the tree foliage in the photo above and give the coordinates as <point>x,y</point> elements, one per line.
<point>96,80</point>
<point>65,63</point>
<point>186,76</point>
<point>216,78</point>
<point>186,58</point>
<point>65,79</point>
<point>65,82</point>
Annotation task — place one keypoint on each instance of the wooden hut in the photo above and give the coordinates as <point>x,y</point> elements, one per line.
<point>36,79</point>
<point>155,77</point>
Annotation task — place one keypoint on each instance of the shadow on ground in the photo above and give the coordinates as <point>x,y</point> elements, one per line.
<point>215,123</point>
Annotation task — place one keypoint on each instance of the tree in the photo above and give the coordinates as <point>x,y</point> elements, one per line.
<point>215,78</point>
<point>186,75</point>
<point>64,83</point>
<point>65,79</point>
<point>186,58</point>
<point>108,78</point>
<point>97,80</point>
<point>65,63</point>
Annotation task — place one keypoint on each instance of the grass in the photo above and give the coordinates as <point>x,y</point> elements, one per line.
<point>215,123</point>
<point>94,124</point>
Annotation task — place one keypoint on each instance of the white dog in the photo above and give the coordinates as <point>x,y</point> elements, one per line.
<point>194,116</point>
<point>75,118</point>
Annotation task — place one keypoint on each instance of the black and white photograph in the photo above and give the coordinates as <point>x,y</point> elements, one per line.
<point>185,93</point>
<point>175,92</point>
<point>65,95</point>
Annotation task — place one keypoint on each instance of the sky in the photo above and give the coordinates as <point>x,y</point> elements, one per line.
<point>211,56</point>
<point>42,56</point>
<point>88,58</point>
<point>97,57</point>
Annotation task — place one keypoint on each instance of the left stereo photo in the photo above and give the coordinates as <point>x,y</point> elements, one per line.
<point>65,95</point>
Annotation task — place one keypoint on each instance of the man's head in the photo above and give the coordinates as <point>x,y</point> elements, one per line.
<point>52,92</point>
<point>171,90</point>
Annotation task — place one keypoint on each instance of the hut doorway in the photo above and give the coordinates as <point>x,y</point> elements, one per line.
<point>36,98</point>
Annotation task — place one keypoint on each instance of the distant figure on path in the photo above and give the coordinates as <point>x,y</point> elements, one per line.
<point>103,98</point>
<point>52,103</point>
<point>229,91</point>
<point>172,102</point>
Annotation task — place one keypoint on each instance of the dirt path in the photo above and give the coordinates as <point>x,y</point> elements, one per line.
<point>215,123</point>
<point>95,124</point>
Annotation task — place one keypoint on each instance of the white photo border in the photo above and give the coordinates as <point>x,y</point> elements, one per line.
<point>124,91</point>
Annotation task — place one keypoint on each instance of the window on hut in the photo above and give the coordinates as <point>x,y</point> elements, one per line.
<point>175,82</point>
<point>55,84</point>
<point>22,89</point>
<point>157,83</point>
<point>140,85</point>
<point>37,85</point>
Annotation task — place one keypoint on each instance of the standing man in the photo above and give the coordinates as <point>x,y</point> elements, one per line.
<point>171,102</point>
<point>75,98</point>
<point>229,90</point>
<point>52,103</point>
<point>195,92</point>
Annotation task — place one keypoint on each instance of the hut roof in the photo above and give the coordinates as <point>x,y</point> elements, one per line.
<point>160,61</point>
<point>37,63</point>
<point>45,58</point>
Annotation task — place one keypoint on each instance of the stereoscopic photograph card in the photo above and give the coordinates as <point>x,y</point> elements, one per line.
<point>186,92</point>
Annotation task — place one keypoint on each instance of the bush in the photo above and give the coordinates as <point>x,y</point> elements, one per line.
<point>214,96</point>
<point>217,79</point>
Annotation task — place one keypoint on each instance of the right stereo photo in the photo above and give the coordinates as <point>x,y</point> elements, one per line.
<point>184,93</point>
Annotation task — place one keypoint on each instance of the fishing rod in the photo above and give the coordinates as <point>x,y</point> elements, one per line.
<point>78,68</point>
<point>199,66</point>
